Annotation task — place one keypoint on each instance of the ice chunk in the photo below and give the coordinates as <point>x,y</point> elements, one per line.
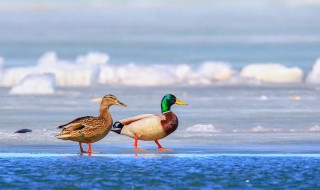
<point>263,129</point>
<point>92,68</point>
<point>202,128</point>
<point>315,128</point>
<point>13,76</point>
<point>215,70</point>
<point>182,72</point>
<point>209,72</point>
<point>138,75</point>
<point>83,73</point>
<point>107,75</point>
<point>36,84</point>
<point>147,75</point>
<point>263,97</point>
<point>50,59</point>
<point>274,73</point>
<point>1,65</point>
<point>93,58</point>
<point>313,76</point>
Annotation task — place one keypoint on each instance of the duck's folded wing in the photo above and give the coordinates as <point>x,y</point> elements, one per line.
<point>134,119</point>
<point>75,127</point>
<point>145,128</point>
<point>80,120</point>
<point>74,130</point>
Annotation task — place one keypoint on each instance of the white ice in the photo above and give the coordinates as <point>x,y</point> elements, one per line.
<point>1,67</point>
<point>93,68</point>
<point>204,128</point>
<point>80,73</point>
<point>35,84</point>
<point>313,76</point>
<point>274,73</point>
<point>264,129</point>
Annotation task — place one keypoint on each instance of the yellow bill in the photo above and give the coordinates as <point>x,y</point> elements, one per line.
<point>179,102</point>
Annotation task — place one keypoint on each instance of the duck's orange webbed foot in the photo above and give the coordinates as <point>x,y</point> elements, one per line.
<point>90,151</point>
<point>160,148</point>
<point>164,149</point>
<point>140,149</point>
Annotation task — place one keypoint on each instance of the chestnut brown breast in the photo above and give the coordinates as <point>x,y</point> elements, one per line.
<point>169,122</point>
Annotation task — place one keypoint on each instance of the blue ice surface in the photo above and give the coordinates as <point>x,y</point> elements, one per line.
<point>183,168</point>
<point>159,171</point>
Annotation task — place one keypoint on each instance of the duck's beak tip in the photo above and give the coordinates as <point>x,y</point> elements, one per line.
<point>122,104</point>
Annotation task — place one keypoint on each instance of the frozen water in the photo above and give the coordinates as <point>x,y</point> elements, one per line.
<point>313,76</point>
<point>79,73</point>
<point>35,84</point>
<point>1,67</point>
<point>215,114</point>
<point>263,129</point>
<point>274,73</point>
<point>200,128</point>
<point>93,69</point>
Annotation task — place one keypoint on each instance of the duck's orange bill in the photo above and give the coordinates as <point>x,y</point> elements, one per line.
<point>179,102</point>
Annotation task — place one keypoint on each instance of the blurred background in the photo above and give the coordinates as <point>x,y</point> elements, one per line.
<point>248,69</point>
<point>163,32</point>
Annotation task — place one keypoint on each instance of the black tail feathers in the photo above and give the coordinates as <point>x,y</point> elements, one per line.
<point>117,127</point>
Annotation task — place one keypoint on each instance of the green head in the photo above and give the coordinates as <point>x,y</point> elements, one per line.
<point>168,100</point>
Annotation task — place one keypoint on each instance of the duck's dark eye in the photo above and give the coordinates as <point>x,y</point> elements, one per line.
<point>173,100</point>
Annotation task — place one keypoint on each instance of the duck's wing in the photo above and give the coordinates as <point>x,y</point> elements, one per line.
<point>77,127</point>
<point>79,120</point>
<point>134,119</point>
<point>145,127</point>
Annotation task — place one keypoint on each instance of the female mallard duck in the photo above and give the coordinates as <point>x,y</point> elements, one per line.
<point>90,129</point>
<point>150,126</point>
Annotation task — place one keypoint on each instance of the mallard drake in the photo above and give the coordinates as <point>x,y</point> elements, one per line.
<point>150,127</point>
<point>90,129</point>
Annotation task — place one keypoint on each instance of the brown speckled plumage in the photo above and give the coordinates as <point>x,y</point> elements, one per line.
<point>90,129</point>
<point>87,129</point>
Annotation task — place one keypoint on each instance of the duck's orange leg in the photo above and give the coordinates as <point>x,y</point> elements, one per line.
<point>136,145</point>
<point>160,148</point>
<point>81,149</point>
<point>90,149</point>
